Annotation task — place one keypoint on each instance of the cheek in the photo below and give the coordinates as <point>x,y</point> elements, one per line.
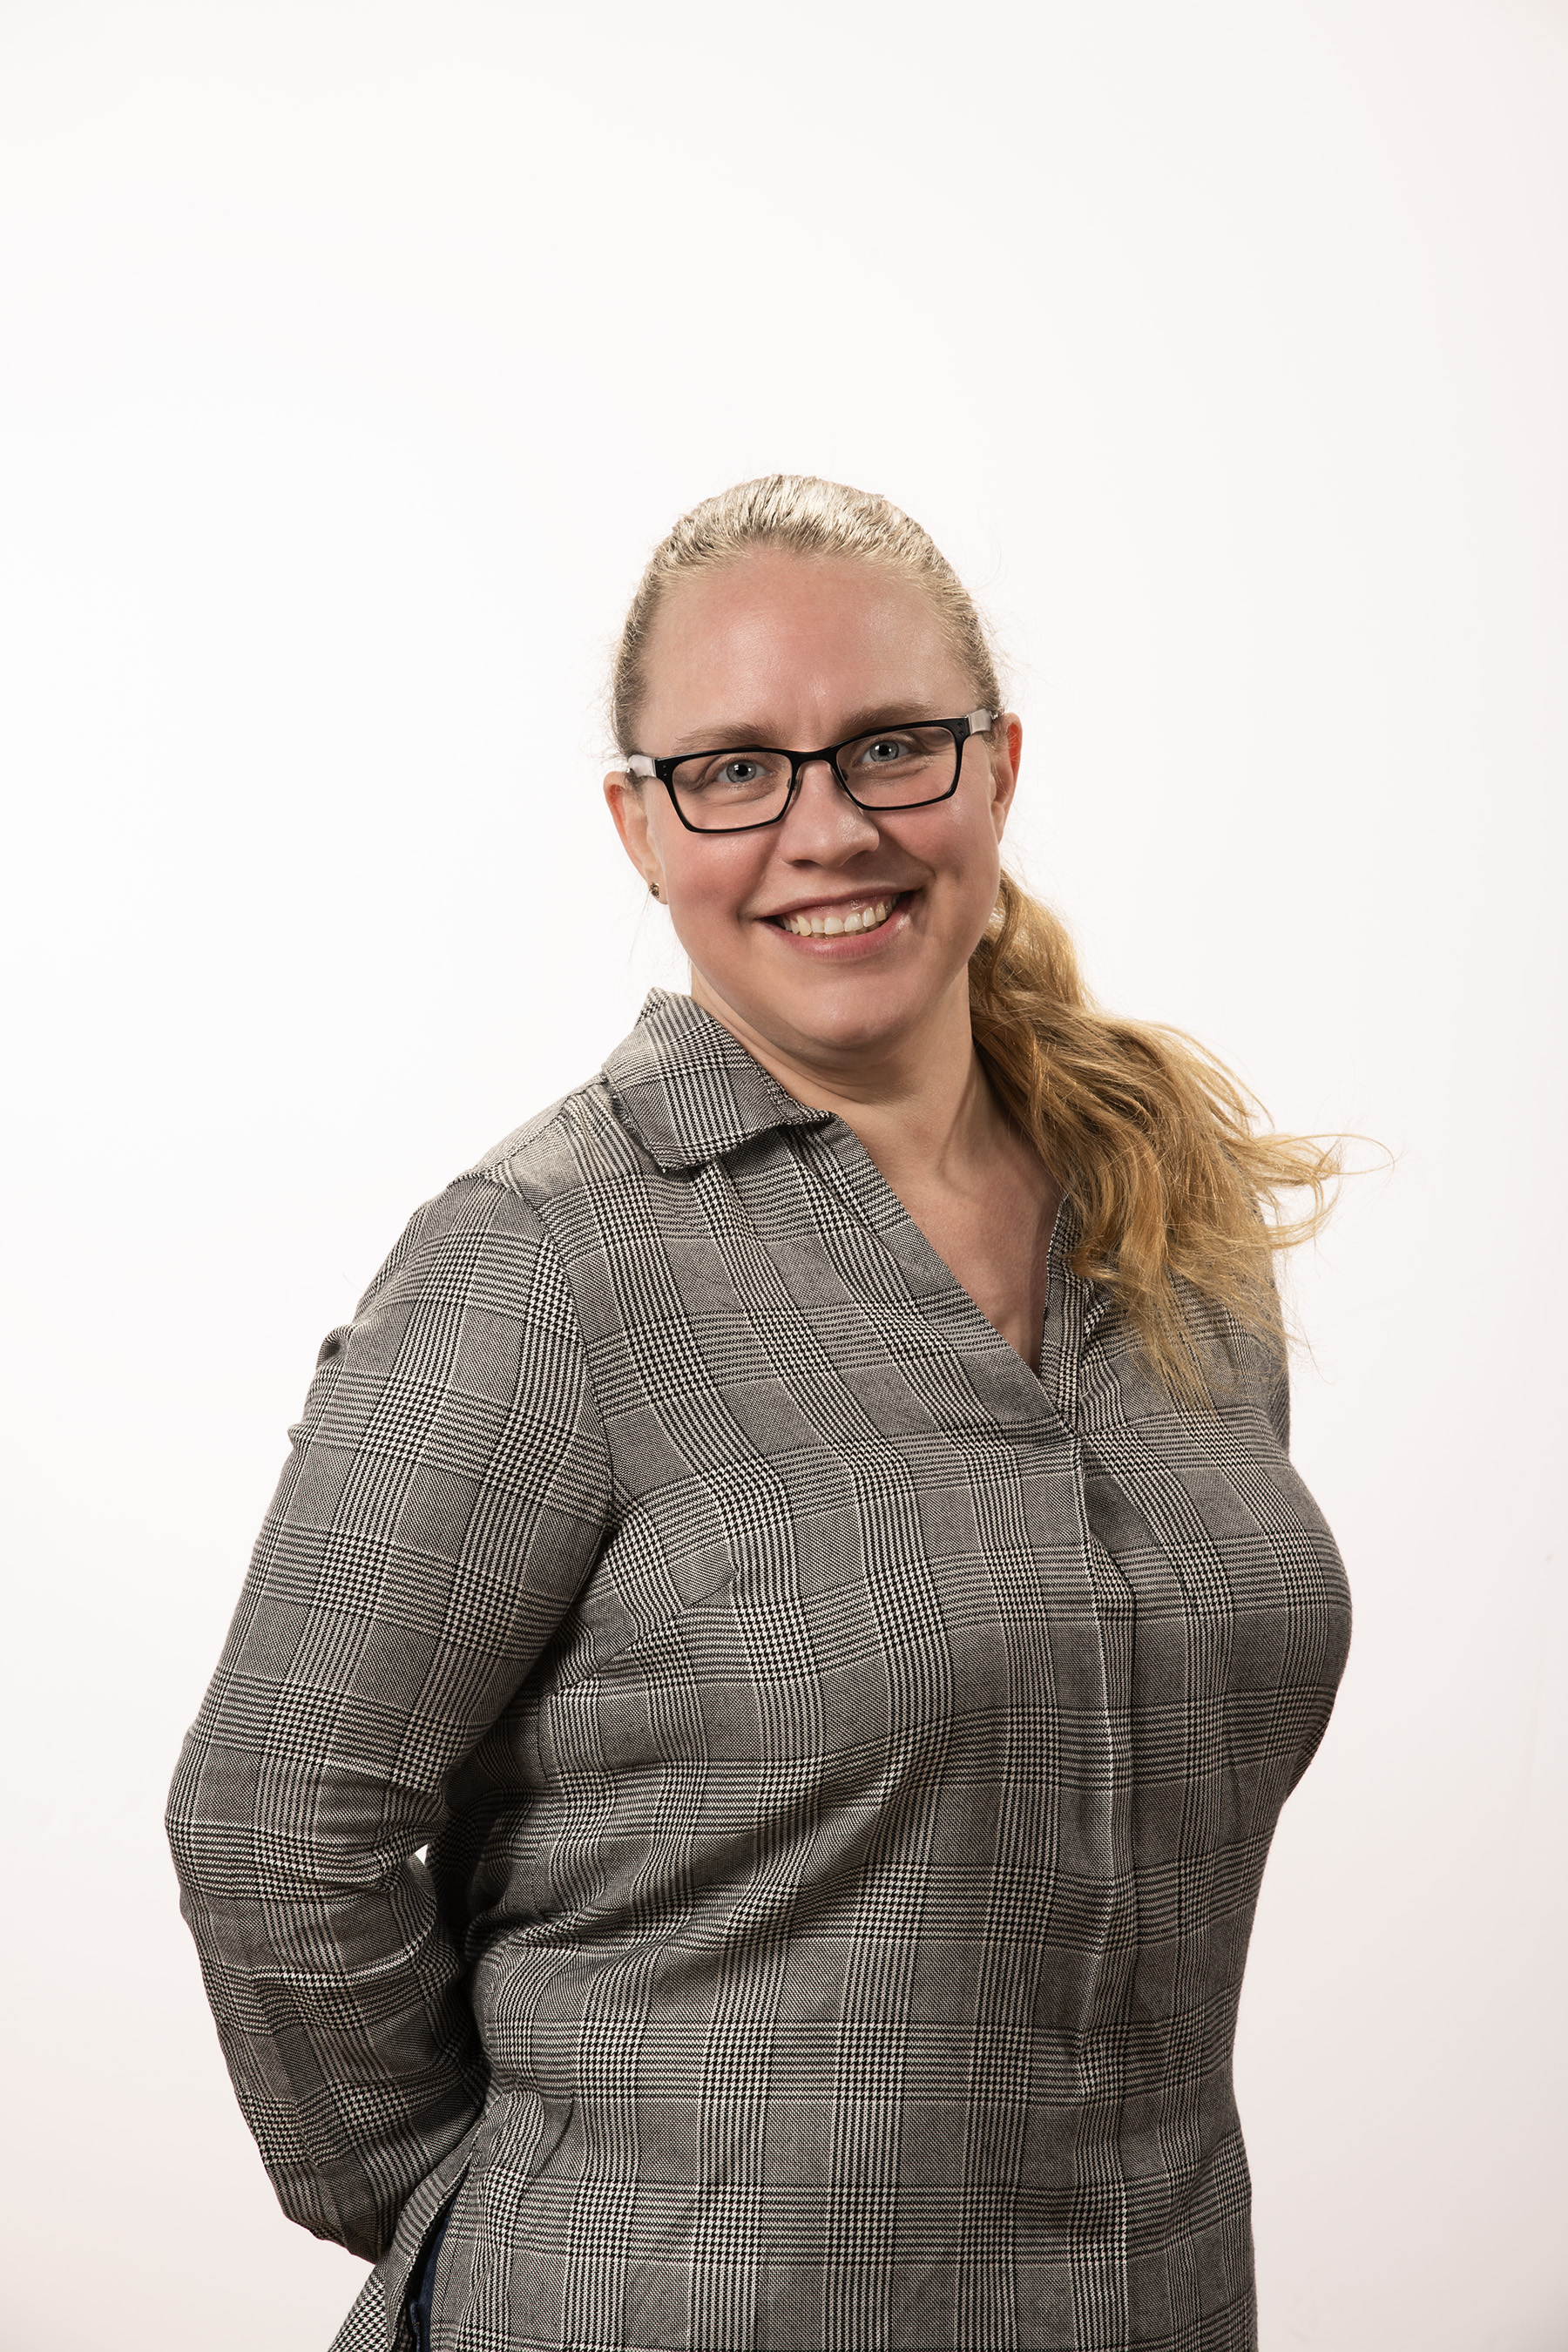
<point>709,884</point>
<point>970,879</point>
<point>967,858</point>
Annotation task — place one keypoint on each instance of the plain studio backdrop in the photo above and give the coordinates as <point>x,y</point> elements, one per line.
<point>352,356</point>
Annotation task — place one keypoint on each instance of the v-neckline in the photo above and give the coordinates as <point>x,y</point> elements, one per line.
<point>888,1217</point>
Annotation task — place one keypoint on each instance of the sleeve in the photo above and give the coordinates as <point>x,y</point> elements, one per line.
<point>447,1490</point>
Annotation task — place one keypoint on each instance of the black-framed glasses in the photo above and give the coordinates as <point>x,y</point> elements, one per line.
<point>746,785</point>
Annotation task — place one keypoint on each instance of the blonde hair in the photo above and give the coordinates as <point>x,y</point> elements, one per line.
<point>1159,1149</point>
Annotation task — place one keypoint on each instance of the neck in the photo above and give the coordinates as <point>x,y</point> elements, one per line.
<point>922,1105</point>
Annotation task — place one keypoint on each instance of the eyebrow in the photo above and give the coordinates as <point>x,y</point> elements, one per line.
<point>743,736</point>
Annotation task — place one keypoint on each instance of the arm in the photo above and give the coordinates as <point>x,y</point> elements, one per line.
<point>448,1491</point>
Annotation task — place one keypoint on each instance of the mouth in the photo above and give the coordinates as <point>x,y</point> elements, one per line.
<point>841,918</point>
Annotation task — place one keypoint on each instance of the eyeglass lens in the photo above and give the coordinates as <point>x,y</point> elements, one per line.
<point>898,767</point>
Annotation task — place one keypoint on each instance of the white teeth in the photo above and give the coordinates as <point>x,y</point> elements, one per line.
<point>832,927</point>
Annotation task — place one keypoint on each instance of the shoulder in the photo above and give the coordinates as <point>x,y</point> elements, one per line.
<point>576,1143</point>
<point>499,1222</point>
<point>676,1094</point>
<point>1244,1369</point>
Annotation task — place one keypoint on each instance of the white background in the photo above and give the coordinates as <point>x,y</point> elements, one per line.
<point>352,358</point>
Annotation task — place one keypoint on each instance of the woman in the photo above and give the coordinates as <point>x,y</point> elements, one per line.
<point>803,1533</point>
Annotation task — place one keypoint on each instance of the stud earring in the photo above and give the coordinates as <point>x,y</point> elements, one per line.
<point>652,891</point>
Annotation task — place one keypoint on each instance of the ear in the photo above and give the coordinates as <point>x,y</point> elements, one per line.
<point>624,795</point>
<point>1004,743</point>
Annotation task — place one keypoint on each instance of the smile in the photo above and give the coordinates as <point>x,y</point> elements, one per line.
<point>835,926</point>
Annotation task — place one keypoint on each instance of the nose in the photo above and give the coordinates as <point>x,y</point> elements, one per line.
<point>824,824</point>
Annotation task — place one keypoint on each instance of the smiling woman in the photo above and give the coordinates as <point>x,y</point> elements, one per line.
<point>798,603</point>
<point>803,1533</point>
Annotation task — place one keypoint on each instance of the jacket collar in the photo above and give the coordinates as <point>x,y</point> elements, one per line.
<point>689,1091</point>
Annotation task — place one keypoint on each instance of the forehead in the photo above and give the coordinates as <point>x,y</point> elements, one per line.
<point>798,639</point>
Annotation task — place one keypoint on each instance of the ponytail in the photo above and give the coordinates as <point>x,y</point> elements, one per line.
<point>1156,1145</point>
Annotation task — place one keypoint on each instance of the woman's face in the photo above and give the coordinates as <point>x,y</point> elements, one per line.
<point>800,651</point>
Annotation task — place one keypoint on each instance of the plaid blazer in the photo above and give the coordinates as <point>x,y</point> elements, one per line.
<point>729,1780</point>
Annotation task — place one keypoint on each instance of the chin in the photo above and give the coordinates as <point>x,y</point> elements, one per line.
<point>840,1021</point>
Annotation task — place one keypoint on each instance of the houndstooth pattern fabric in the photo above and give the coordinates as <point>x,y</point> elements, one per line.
<point>846,1760</point>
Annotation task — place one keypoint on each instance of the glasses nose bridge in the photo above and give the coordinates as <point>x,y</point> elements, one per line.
<point>839,811</point>
<point>829,760</point>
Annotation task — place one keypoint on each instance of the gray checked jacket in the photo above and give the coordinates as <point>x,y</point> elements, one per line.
<point>727,1781</point>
